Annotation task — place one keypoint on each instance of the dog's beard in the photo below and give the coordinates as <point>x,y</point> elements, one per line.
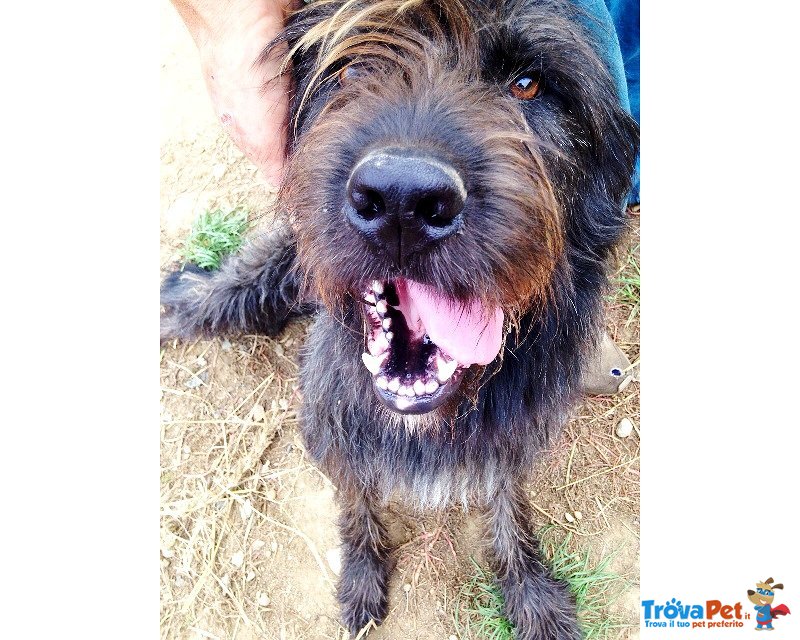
<point>420,341</point>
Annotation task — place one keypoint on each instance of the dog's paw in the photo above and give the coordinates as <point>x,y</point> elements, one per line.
<point>182,294</point>
<point>362,590</point>
<point>541,608</point>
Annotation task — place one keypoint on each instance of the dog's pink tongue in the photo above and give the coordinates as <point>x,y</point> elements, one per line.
<point>470,334</point>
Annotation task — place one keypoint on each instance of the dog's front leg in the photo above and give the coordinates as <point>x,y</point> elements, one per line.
<point>364,579</point>
<point>539,606</point>
<point>256,290</point>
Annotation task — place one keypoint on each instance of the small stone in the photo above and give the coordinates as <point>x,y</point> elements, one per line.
<point>187,449</point>
<point>283,403</point>
<point>452,637</point>
<point>218,170</point>
<point>273,546</point>
<point>167,553</point>
<point>226,345</point>
<point>279,348</point>
<point>193,382</point>
<point>246,510</point>
<point>624,428</point>
<point>578,515</point>
<point>569,517</point>
<point>202,361</point>
<point>263,599</point>
<point>179,581</point>
<point>250,576</point>
<point>334,558</point>
<point>258,545</point>
<point>257,413</point>
<point>406,587</point>
<point>271,494</point>
<point>237,559</point>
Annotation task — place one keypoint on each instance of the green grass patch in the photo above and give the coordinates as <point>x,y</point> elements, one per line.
<point>627,285</point>
<point>214,235</point>
<point>479,607</point>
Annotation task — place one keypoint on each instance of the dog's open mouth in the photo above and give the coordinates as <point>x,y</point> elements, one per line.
<point>420,341</point>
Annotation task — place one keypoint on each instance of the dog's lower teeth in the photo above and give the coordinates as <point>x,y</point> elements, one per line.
<point>382,382</point>
<point>373,363</point>
<point>431,386</point>
<point>444,370</point>
<point>394,385</point>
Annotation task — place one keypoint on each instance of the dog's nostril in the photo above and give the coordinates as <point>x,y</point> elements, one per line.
<point>432,210</point>
<point>369,204</point>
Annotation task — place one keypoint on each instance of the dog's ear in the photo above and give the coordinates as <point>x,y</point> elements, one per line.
<point>768,581</point>
<point>778,586</point>
<point>750,592</point>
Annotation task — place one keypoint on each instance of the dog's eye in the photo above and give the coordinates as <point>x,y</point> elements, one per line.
<point>525,87</point>
<point>348,74</point>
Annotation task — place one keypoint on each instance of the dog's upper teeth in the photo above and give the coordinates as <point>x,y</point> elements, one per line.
<point>382,382</point>
<point>387,322</point>
<point>389,335</point>
<point>373,363</point>
<point>419,387</point>
<point>369,298</point>
<point>444,369</point>
<point>394,385</point>
<point>377,287</point>
<point>381,307</point>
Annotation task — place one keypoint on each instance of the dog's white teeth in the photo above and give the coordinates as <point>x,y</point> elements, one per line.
<point>377,287</point>
<point>381,307</point>
<point>394,385</point>
<point>369,298</point>
<point>387,322</point>
<point>379,345</point>
<point>372,363</point>
<point>431,386</point>
<point>382,382</point>
<point>444,370</point>
<point>389,335</point>
<point>419,387</point>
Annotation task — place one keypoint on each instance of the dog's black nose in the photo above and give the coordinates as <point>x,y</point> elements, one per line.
<point>403,202</point>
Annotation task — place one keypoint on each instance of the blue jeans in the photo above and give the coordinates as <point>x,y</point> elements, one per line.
<point>615,26</point>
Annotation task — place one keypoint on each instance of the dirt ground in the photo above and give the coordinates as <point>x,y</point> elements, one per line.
<point>248,537</point>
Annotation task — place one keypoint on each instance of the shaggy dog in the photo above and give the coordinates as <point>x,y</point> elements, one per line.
<point>456,184</point>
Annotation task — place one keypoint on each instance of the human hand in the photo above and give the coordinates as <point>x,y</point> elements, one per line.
<point>249,97</point>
